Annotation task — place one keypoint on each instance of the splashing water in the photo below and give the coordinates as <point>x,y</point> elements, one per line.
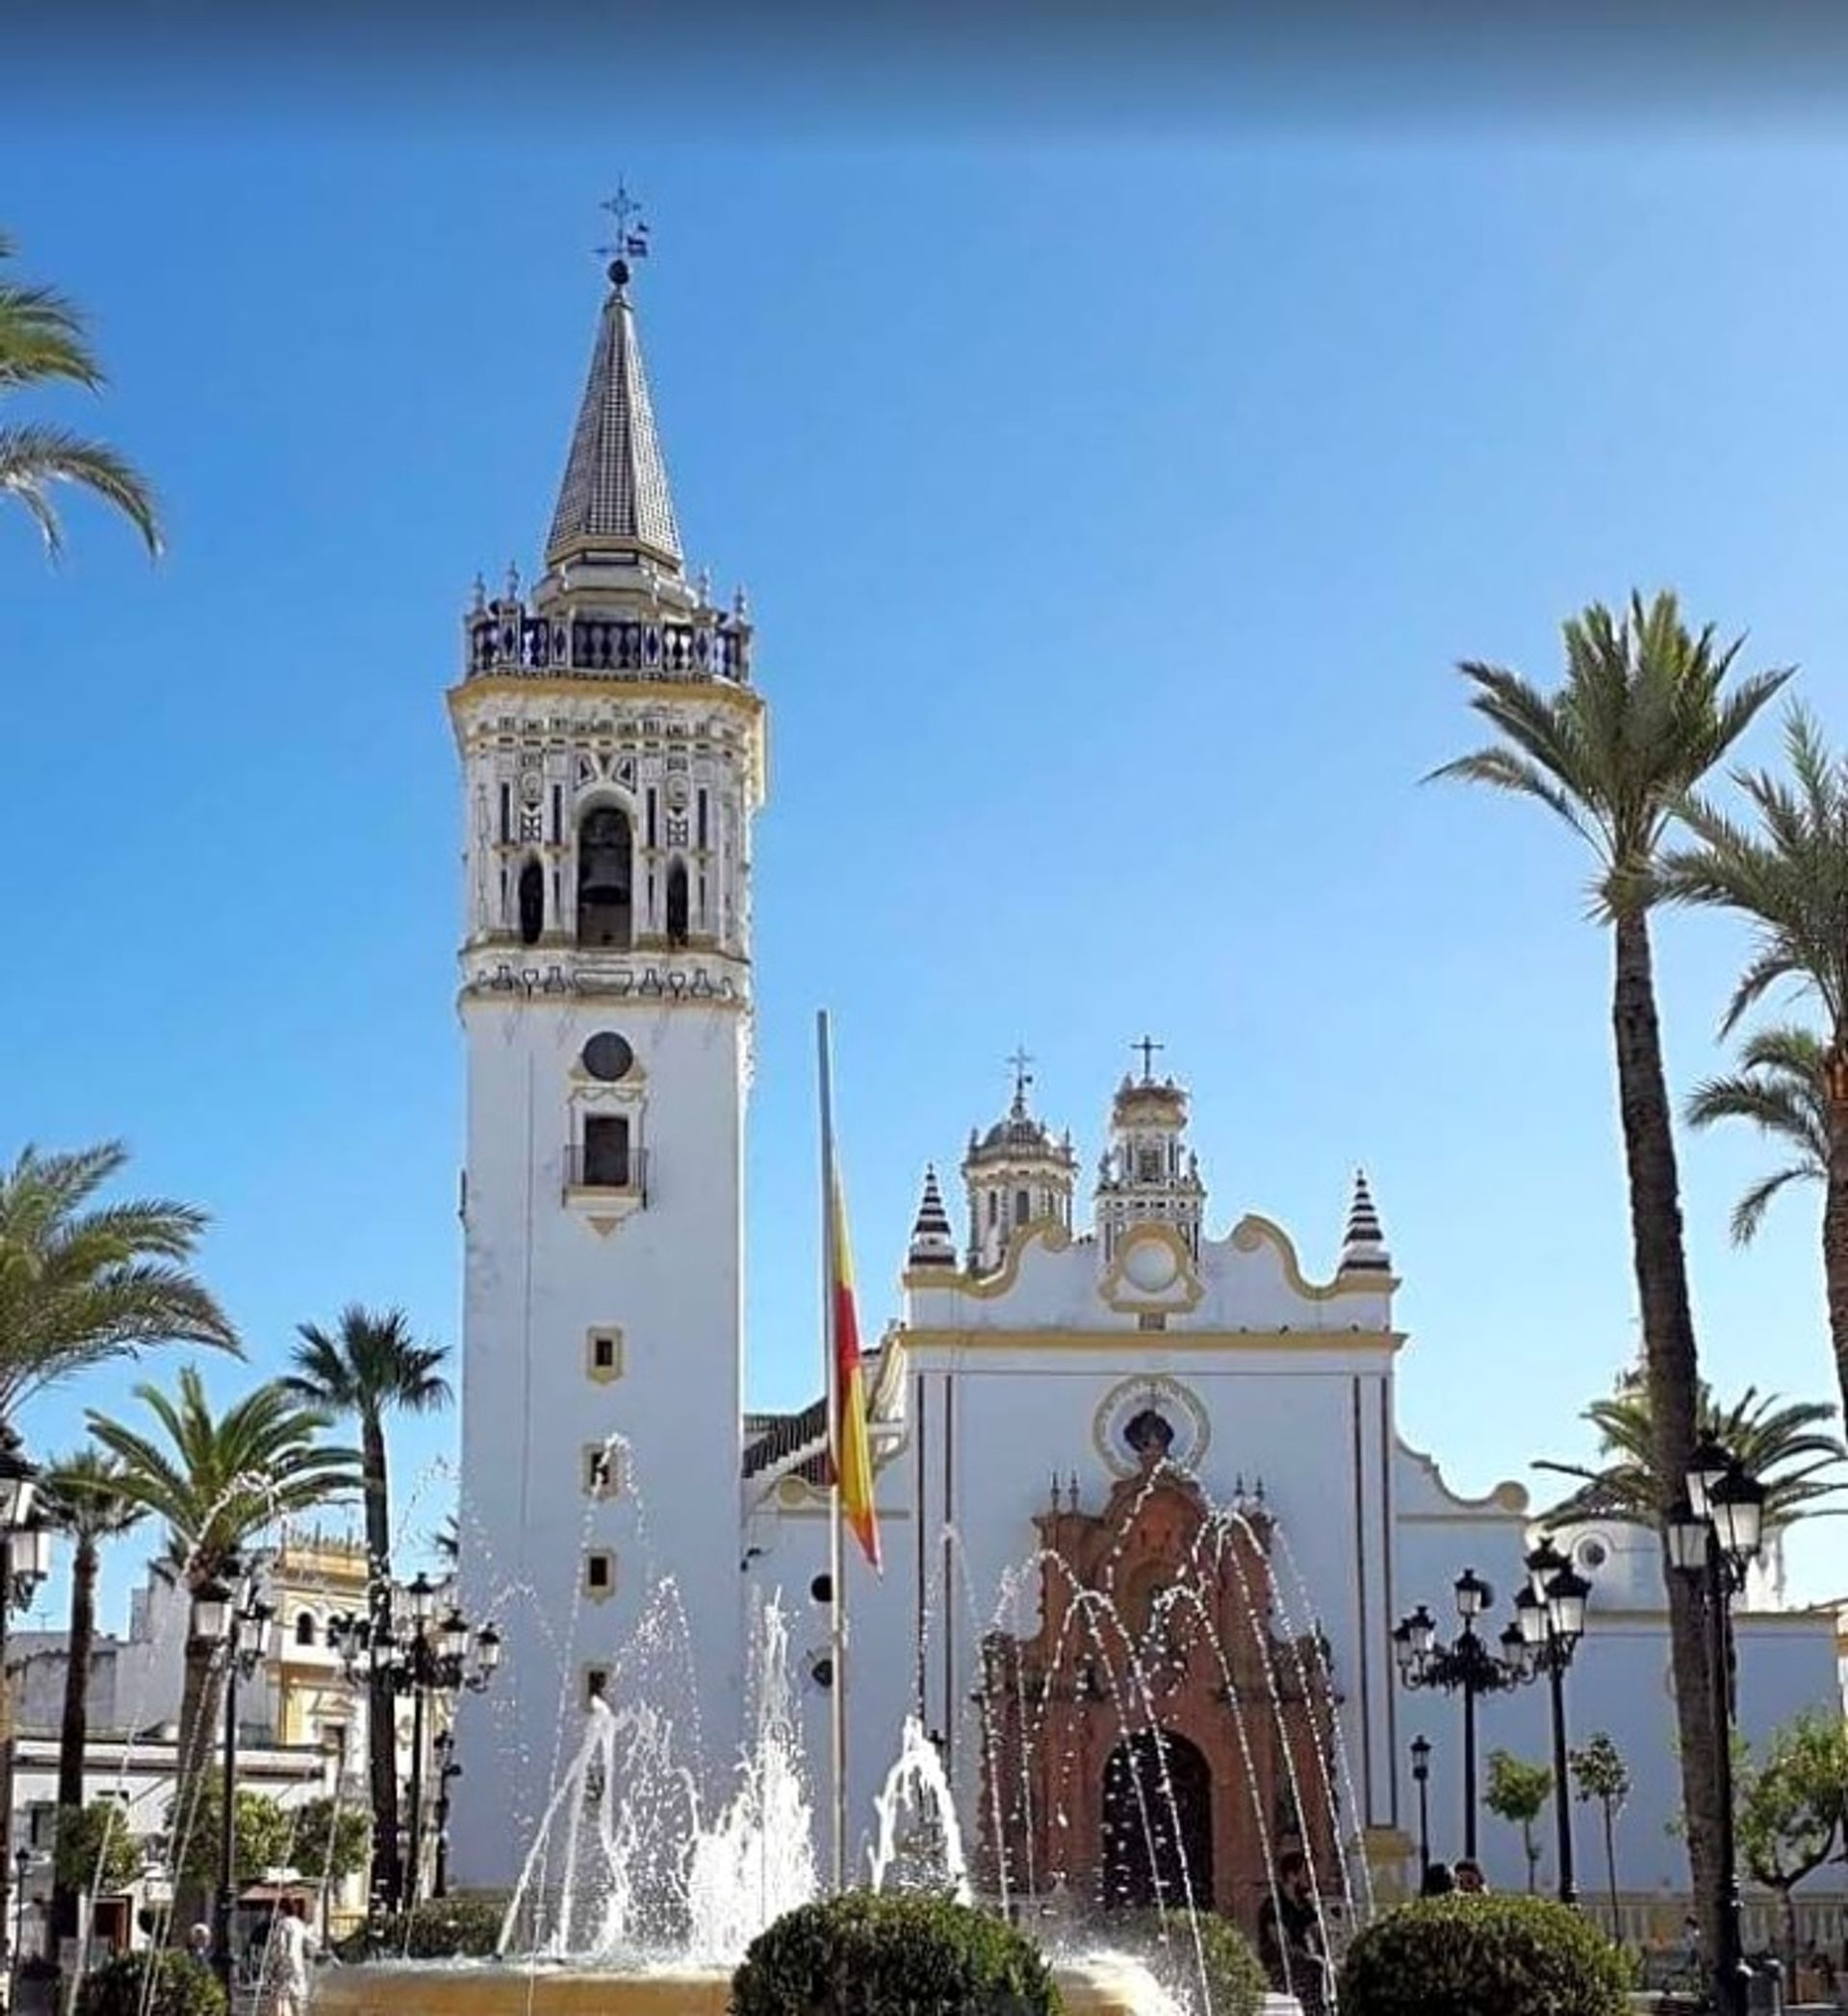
<point>920,1840</point>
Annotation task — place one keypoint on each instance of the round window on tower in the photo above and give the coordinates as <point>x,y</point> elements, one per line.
<point>608,1056</point>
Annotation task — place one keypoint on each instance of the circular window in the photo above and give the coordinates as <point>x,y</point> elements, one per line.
<point>1592,1553</point>
<point>608,1056</point>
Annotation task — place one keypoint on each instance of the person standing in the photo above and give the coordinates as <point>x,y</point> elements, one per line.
<point>286,1963</point>
<point>1290,1936</point>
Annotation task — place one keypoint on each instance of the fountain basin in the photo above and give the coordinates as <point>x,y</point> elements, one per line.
<point>1090,1988</point>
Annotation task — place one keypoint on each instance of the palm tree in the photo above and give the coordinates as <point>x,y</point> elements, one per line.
<point>42,342</point>
<point>370,1366</point>
<point>217,1481</point>
<point>1780,1089</point>
<point>82,1492</point>
<point>1641,718</point>
<point>81,1282</point>
<point>1789,877</point>
<point>1785,1444</point>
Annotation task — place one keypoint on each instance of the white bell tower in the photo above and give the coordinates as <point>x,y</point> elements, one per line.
<point>613,756</point>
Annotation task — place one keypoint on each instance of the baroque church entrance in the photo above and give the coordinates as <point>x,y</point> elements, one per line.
<point>1157,1824</point>
<point>1155,1721</point>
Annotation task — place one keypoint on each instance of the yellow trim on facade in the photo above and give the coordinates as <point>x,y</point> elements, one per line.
<point>1251,1232</point>
<point>1156,1341</point>
<point>1183,1291</point>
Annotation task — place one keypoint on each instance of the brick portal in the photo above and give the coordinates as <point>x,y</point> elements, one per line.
<point>1155,1740</point>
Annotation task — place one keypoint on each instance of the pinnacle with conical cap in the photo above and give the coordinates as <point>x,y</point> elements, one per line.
<point>615,498</point>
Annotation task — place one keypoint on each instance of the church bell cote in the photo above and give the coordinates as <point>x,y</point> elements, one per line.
<point>1148,1175</point>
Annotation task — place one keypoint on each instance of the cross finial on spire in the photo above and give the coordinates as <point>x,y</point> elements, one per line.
<point>631,234</point>
<point>1149,1047</point>
<point>1023,1077</point>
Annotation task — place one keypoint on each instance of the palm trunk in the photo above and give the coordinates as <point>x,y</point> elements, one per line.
<point>201,1699</point>
<point>1834,1209</point>
<point>381,1712</point>
<point>1672,1369</point>
<point>74,1733</point>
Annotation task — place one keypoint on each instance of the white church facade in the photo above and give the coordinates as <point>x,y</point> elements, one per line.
<point>1144,1498</point>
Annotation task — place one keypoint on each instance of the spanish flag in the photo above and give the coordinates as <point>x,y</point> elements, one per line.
<point>852,1460</point>
<point>847,1444</point>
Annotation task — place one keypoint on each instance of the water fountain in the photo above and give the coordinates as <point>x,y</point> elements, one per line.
<point>637,1901</point>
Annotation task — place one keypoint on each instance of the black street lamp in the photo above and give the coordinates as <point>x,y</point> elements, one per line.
<point>1551,1611</point>
<point>1421,1778</point>
<point>1714,1534</point>
<point>244,1623</point>
<point>1466,1666</point>
<point>25,1561</point>
<point>21,1861</point>
<point>434,1658</point>
<point>443,1745</point>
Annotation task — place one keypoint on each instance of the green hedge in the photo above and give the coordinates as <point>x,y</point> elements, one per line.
<point>865,1955</point>
<point>1468,1956</point>
<point>181,1987</point>
<point>1233,1976</point>
<point>465,1927</point>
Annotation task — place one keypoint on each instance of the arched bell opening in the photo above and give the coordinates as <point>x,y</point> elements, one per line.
<point>606,879</point>
<point>677,908</point>
<point>531,899</point>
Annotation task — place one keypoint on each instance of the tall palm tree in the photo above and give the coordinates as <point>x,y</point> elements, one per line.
<point>82,1493</point>
<point>1787,1445</point>
<point>1788,875</point>
<point>370,1366</point>
<point>42,342</point>
<point>219,1481</point>
<point>1781,1088</point>
<point>81,1282</point>
<point>1642,716</point>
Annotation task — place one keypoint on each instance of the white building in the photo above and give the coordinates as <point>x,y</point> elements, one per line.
<point>1051,1384</point>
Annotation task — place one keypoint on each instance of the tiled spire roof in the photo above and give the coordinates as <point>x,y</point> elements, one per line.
<point>932,1244</point>
<point>615,493</point>
<point>1364,1250</point>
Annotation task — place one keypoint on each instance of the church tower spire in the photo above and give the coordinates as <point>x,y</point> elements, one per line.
<point>612,760</point>
<point>1148,1172</point>
<point>614,505</point>
<point>1015,1175</point>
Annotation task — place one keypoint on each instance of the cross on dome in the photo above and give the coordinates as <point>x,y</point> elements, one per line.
<point>1149,1047</point>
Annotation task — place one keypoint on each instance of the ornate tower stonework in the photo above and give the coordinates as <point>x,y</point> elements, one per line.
<point>612,750</point>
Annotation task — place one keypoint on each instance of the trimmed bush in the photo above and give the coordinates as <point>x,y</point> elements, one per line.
<point>180,1987</point>
<point>1234,1974</point>
<point>865,1955</point>
<point>465,1927</point>
<point>1465,1956</point>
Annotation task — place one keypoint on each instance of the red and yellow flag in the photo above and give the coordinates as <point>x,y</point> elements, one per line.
<point>851,1458</point>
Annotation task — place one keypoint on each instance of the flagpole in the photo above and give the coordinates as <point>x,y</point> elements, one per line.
<point>837,1581</point>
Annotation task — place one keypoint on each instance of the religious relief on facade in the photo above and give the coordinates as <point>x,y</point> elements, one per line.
<point>1154,1741</point>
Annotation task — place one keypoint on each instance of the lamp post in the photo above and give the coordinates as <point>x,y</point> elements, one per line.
<point>447,1768</point>
<point>432,1658</point>
<point>1421,1778</point>
<point>25,1560</point>
<point>21,1861</point>
<point>1466,1666</point>
<point>1551,1611</point>
<point>244,1623</point>
<point>1714,1535</point>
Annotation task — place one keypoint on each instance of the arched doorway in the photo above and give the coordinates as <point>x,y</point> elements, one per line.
<point>1157,1845</point>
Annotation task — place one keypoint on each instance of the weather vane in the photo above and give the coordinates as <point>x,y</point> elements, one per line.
<point>632,230</point>
<point>1023,1077</point>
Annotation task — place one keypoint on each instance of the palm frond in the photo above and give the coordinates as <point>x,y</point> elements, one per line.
<point>34,456</point>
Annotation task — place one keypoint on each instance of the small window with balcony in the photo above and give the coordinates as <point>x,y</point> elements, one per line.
<point>606,1152</point>
<point>600,1574</point>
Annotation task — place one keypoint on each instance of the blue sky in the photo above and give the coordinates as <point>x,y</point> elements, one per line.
<point>1112,514</point>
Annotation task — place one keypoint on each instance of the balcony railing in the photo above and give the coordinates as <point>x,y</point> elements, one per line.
<point>601,1169</point>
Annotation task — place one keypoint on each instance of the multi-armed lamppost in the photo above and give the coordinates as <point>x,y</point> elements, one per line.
<point>433,1658</point>
<point>1551,1611</point>
<point>25,1561</point>
<point>1714,1535</point>
<point>242,1622</point>
<point>1466,1666</point>
<point>1421,1778</point>
<point>443,1748</point>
